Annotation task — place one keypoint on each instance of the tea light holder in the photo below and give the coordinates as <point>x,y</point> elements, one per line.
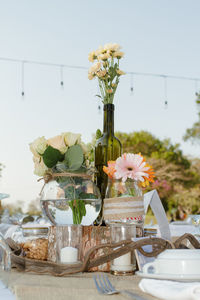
<point>125,264</point>
<point>68,243</point>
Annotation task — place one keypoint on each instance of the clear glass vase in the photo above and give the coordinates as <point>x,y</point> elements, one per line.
<point>71,200</point>
<point>125,201</point>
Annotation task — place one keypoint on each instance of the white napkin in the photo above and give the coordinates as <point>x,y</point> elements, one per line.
<point>171,290</point>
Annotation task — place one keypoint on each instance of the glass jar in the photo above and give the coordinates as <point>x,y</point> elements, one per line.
<point>71,200</point>
<point>68,244</point>
<point>125,264</point>
<point>124,202</point>
<point>35,242</point>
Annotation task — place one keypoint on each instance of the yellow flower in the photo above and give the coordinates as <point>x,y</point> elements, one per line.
<point>112,47</point>
<point>95,67</point>
<point>101,73</point>
<point>92,56</point>
<point>99,51</point>
<point>120,72</point>
<point>118,54</point>
<point>104,56</point>
<point>110,91</point>
<point>90,75</point>
<point>114,85</point>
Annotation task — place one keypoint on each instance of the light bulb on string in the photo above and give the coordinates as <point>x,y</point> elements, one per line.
<point>22,80</point>
<point>61,77</point>
<point>165,91</point>
<point>99,109</point>
<point>131,88</point>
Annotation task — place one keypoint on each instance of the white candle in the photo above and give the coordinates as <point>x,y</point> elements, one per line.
<point>69,255</point>
<point>122,263</point>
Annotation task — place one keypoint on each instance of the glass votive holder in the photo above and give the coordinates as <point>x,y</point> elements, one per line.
<point>68,244</point>
<point>125,264</point>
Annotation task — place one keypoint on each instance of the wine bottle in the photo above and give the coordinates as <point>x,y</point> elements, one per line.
<point>107,148</point>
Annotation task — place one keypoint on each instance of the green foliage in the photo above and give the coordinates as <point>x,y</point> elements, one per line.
<point>177,177</point>
<point>150,146</point>
<point>74,157</point>
<point>98,134</point>
<point>193,134</point>
<point>78,209</point>
<point>51,156</point>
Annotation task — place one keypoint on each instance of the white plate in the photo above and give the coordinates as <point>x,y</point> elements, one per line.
<point>177,277</point>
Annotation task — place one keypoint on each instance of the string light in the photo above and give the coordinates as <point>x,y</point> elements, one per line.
<point>132,86</point>
<point>61,77</point>
<point>62,66</point>
<point>165,92</point>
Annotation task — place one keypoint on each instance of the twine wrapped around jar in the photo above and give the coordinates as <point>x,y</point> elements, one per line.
<point>123,207</point>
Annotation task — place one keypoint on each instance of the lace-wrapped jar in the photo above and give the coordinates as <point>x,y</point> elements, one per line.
<point>124,203</point>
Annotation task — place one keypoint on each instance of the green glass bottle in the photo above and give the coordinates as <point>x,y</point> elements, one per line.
<point>107,148</point>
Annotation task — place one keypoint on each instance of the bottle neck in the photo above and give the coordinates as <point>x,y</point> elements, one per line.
<point>108,124</point>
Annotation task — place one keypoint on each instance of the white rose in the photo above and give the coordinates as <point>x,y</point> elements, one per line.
<point>72,138</point>
<point>58,142</point>
<point>40,167</point>
<point>84,147</point>
<point>38,146</point>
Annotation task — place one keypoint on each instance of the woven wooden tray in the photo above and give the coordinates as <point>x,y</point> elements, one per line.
<point>48,267</point>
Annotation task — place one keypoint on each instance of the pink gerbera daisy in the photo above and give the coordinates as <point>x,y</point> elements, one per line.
<point>131,166</point>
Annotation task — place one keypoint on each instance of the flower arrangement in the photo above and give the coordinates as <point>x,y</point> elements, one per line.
<point>64,158</point>
<point>106,70</point>
<point>130,166</point>
<point>65,152</point>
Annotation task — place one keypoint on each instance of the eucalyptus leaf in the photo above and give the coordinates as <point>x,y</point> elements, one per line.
<point>51,156</point>
<point>74,157</point>
<point>62,166</point>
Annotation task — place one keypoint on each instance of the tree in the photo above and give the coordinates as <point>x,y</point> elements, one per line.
<point>193,134</point>
<point>176,175</point>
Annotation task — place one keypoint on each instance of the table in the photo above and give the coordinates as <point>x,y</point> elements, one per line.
<point>28,286</point>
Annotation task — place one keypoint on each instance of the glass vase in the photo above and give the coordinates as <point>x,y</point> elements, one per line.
<point>107,148</point>
<point>71,200</point>
<point>124,202</point>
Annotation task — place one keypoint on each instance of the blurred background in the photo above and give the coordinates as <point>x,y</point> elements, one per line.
<point>44,89</point>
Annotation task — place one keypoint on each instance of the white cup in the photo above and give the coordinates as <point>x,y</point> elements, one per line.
<point>175,261</point>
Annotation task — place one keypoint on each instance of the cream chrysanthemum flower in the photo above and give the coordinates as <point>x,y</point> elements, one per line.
<point>120,72</point>
<point>118,54</point>
<point>92,56</point>
<point>112,47</point>
<point>91,76</point>
<point>131,166</point>
<point>101,73</point>
<point>104,56</point>
<point>94,68</point>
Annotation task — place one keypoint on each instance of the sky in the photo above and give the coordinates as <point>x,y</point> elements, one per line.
<point>157,36</point>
